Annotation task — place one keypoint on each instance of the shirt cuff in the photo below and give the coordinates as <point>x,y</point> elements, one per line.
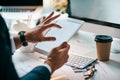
<point>12,44</point>
<point>48,67</point>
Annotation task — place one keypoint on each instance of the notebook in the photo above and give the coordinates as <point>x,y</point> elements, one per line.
<point>69,27</point>
<point>19,9</point>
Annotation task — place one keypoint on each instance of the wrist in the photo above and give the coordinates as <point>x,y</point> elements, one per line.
<point>26,36</point>
<point>48,67</point>
<point>29,37</point>
<point>52,66</point>
<point>17,42</point>
<point>23,38</point>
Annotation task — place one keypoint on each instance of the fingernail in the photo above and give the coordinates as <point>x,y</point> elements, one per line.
<point>54,39</point>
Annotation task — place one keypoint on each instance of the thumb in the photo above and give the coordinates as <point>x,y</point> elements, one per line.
<point>63,45</point>
<point>49,39</point>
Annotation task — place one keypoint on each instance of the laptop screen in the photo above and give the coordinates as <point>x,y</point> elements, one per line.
<point>104,12</point>
<point>20,2</point>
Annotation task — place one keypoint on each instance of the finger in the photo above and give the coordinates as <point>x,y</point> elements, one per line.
<point>51,19</point>
<point>65,48</point>
<point>43,18</point>
<point>49,39</point>
<point>50,26</point>
<point>68,46</point>
<point>62,45</point>
<point>67,56</point>
<point>50,15</point>
<point>40,20</point>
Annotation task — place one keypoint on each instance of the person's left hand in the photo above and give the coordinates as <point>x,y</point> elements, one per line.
<point>37,33</point>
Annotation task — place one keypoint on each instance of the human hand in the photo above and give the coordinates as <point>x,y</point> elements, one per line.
<point>46,20</point>
<point>37,33</point>
<point>58,56</point>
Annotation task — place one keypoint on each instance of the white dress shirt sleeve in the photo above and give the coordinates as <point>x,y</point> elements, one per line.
<point>12,44</point>
<point>48,67</point>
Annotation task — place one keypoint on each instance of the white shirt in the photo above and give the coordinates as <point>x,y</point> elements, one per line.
<point>14,48</point>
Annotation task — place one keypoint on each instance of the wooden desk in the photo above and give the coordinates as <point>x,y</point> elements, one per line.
<point>82,43</point>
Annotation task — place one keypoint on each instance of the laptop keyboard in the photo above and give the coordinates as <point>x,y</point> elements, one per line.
<point>79,61</point>
<point>6,9</point>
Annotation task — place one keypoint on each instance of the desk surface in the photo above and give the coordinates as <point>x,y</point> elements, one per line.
<point>79,45</point>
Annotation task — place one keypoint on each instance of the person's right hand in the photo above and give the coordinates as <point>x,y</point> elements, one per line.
<point>58,56</point>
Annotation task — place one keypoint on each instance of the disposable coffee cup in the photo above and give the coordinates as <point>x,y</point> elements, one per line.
<point>103,47</point>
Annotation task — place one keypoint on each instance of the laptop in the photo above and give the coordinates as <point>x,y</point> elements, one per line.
<point>19,9</point>
<point>69,27</point>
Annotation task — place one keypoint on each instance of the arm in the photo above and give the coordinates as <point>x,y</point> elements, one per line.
<point>38,73</point>
<point>7,70</point>
<point>56,58</point>
<point>37,34</point>
<point>17,41</point>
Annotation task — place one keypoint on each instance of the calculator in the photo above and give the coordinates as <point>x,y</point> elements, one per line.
<point>79,61</point>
